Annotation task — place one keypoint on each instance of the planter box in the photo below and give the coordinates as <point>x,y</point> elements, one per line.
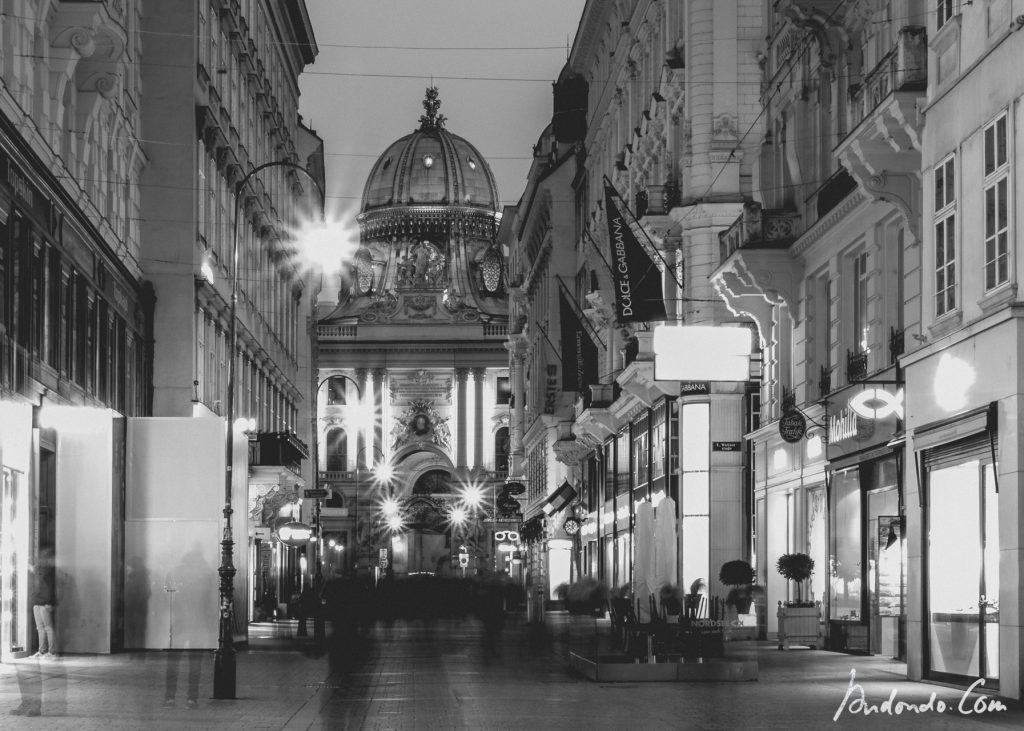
<point>800,626</point>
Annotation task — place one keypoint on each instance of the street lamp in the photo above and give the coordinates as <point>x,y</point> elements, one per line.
<point>224,664</point>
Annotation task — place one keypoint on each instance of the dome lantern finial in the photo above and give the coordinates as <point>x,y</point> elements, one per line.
<point>431,120</point>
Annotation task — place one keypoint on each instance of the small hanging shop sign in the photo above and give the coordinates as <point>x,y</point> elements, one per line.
<point>792,427</point>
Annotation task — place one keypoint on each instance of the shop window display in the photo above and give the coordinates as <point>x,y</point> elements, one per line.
<point>845,547</point>
<point>963,583</point>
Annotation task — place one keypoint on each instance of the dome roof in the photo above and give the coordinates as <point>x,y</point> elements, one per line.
<point>431,167</point>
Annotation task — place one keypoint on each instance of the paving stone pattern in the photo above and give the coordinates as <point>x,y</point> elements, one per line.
<point>451,674</point>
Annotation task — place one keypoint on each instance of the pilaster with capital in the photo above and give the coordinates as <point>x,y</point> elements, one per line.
<point>361,375</point>
<point>461,376</point>
<point>479,375</point>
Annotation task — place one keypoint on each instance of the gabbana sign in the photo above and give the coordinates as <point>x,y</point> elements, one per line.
<point>638,292</point>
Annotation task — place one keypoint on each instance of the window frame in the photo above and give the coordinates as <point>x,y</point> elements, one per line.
<point>944,12</point>
<point>996,178</point>
<point>946,239</point>
<point>861,321</point>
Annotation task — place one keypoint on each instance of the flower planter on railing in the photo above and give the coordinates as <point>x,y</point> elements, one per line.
<point>800,626</point>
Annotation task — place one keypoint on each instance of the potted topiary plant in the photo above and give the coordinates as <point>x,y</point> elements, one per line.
<point>796,567</point>
<point>739,575</point>
<point>799,621</point>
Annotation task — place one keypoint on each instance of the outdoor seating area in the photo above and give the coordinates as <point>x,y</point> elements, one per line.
<point>688,631</point>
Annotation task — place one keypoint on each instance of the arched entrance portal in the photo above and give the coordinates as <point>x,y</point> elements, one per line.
<point>425,545</point>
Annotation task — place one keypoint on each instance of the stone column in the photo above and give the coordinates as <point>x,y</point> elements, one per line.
<point>479,374</point>
<point>461,375</point>
<point>361,374</point>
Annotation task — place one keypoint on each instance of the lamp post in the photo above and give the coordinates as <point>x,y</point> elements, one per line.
<point>224,664</point>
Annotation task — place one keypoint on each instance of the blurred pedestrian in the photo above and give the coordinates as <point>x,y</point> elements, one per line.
<point>491,609</point>
<point>44,600</point>
<point>269,603</point>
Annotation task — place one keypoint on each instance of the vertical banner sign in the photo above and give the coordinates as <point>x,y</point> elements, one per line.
<point>638,292</point>
<point>579,354</point>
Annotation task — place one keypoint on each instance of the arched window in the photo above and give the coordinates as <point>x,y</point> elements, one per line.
<point>434,482</point>
<point>336,391</point>
<point>502,447</point>
<point>336,500</point>
<point>337,449</point>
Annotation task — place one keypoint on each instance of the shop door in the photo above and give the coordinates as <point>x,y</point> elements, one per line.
<point>963,572</point>
<point>887,558</point>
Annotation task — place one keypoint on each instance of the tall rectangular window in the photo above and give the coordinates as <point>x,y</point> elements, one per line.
<point>641,472</point>
<point>821,332</point>
<point>861,326</point>
<point>622,467</point>
<point>945,237</point>
<point>53,302</point>
<point>943,12</point>
<point>609,471</point>
<point>997,228</point>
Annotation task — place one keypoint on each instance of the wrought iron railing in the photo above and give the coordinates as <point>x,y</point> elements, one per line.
<point>904,67</point>
<point>856,365</point>
<point>825,382</point>
<point>788,399</point>
<point>895,344</point>
<point>757,228</point>
<point>277,448</point>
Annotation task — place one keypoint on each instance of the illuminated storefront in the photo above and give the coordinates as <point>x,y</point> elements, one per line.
<point>962,425</point>
<point>867,565</point>
<point>15,454</point>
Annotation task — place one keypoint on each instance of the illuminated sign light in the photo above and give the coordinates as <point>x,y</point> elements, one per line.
<point>876,403</point>
<point>295,534</point>
<point>701,353</point>
<point>953,379</point>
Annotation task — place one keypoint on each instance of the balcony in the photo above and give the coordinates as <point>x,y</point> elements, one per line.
<point>657,200</point>
<point>277,449</point>
<point>883,148</point>
<point>756,271</point>
<point>758,229</point>
<point>637,377</point>
<point>593,412</point>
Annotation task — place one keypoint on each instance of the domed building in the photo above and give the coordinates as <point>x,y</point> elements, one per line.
<point>413,396</point>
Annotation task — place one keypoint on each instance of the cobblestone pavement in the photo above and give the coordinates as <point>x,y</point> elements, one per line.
<point>449,675</point>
